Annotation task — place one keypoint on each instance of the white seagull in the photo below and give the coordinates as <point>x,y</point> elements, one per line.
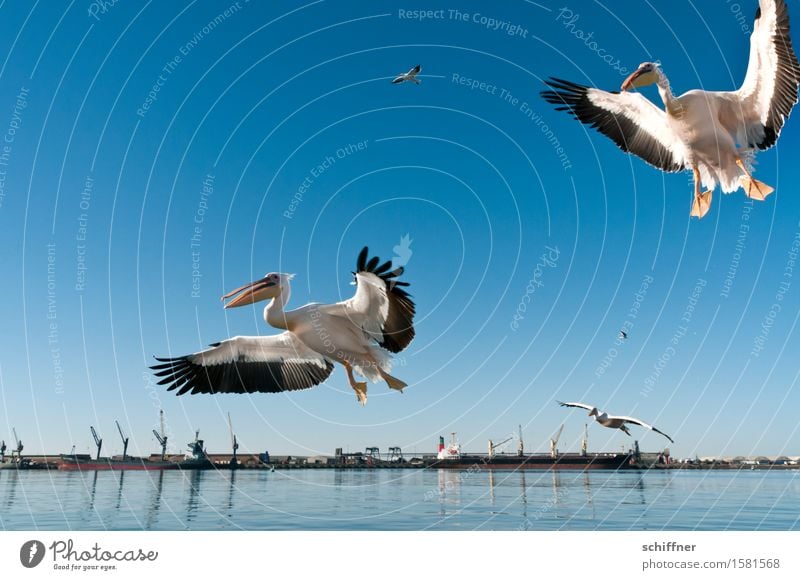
<point>359,333</point>
<point>410,76</point>
<point>613,421</point>
<point>715,134</point>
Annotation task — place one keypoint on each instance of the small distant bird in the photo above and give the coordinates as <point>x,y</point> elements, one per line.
<point>715,134</point>
<point>409,76</point>
<point>623,335</point>
<point>613,421</point>
<point>359,333</point>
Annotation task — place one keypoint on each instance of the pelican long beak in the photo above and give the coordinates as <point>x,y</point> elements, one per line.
<point>641,77</point>
<point>249,293</point>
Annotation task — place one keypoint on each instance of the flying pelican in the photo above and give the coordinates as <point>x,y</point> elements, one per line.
<point>613,421</point>
<point>358,333</point>
<point>623,335</point>
<point>713,133</point>
<point>409,76</point>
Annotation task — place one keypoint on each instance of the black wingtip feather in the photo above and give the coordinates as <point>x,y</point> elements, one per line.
<point>398,331</point>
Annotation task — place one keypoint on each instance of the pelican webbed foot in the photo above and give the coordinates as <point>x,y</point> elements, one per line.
<point>701,204</point>
<point>755,189</point>
<point>361,392</point>
<point>393,382</point>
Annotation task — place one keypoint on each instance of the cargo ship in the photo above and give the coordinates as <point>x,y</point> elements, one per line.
<point>81,462</point>
<point>84,462</point>
<point>451,457</point>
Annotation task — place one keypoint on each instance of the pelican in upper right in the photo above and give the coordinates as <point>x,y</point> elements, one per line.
<point>715,134</point>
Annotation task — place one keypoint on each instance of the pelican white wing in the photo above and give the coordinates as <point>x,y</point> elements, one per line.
<point>380,307</point>
<point>638,422</point>
<point>635,124</point>
<point>578,405</point>
<point>769,90</point>
<point>246,364</point>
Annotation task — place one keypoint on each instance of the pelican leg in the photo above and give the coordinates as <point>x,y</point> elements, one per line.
<point>702,201</point>
<point>393,382</point>
<point>359,388</point>
<point>754,188</point>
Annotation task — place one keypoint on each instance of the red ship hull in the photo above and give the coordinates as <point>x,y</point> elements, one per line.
<point>71,464</point>
<point>543,462</point>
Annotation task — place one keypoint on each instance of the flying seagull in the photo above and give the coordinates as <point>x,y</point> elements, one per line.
<point>613,421</point>
<point>359,333</point>
<point>623,335</point>
<point>409,76</point>
<point>715,134</point>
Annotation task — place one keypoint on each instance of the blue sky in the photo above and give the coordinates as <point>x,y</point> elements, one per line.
<point>534,239</point>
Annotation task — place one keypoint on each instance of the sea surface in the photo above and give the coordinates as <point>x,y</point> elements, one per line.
<point>400,499</point>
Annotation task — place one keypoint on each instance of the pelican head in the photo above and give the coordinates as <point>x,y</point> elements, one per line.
<point>594,412</point>
<point>268,287</point>
<point>646,74</point>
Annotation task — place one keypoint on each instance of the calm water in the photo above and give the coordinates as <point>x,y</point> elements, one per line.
<point>401,500</point>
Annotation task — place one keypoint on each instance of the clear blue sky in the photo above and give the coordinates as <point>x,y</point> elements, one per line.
<point>118,116</point>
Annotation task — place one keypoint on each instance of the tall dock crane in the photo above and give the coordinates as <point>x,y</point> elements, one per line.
<point>97,441</point>
<point>124,442</point>
<point>162,437</point>
<point>554,442</point>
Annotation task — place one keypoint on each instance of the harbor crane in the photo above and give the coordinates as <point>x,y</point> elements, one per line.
<point>373,452</point>
<point>493,445</point>
<point>97,441</point>
<point>124,442</point>
<point>554,443</point>
<point>585,440</point>
<point>19,447</point>
<point>162,436</point>
<point>395,454</point>
<point>234,444</point>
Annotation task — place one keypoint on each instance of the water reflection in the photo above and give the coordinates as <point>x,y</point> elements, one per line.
<point>420,499</point>
<point>155,501</point>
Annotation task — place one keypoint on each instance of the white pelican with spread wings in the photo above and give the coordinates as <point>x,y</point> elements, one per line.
<point>410,76</point>
<point>715,134</point>
<point>613,421</point>
<point>359,333</point>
